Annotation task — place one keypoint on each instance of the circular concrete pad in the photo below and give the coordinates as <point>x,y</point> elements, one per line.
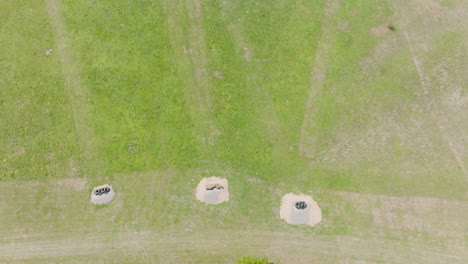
<point>306,215</point>
<point>212,190</point>
<point>102,194</point>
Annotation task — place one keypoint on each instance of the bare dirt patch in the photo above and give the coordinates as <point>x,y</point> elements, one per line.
<point>18,151</point>
<point>218,74</point>
<point>187,50</point>
<point>380,30</point>
<point>213,190</point>
<point>254,180</point>
<point>247,54</point>
<point>344,26</point>
<point>48,52</point>
<point>300,210</point>
<point>437,9</point>
<point>380,53</point>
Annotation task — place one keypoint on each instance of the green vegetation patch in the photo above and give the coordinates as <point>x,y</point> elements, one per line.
<point>37,137</point>
<point>126,61</point>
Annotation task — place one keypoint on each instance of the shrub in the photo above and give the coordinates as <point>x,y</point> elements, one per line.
<point>253,260</point>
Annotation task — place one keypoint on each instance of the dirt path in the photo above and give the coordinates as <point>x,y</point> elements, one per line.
<point>77,93</point>
<point>448,132</point>
<point>318,76</point>
<point>222,247</point>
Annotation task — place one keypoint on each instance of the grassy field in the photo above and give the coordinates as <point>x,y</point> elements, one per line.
<point>304,96</point>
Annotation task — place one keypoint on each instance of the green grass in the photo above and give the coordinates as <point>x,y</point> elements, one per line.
<point>137,101</point>
<point>162,121</point>
<point>256,93</point>
<point>37,139</point>
<point>252,260</point>
<point>368,117</point>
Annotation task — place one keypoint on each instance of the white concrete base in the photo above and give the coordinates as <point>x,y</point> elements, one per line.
<point>216,195</point>
<point>311,215</point>
<point>102,194</point>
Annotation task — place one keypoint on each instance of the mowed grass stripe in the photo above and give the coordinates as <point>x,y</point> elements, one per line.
<point>274,45</point>
<point>253,67</point>
<point>37,136</point>
<point>243,143</point>
<point>78,94</point>
<point>319,76</point>
<point>141,118</point>
<point>254,98</point>
<point>187,36</point>
<point>284,39</point>
<point>231,11</point>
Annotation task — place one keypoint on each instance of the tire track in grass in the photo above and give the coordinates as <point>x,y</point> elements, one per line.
<point>443,126</point>
<point>76,91</point>
<point>192,62</point>
<point>318,76</point>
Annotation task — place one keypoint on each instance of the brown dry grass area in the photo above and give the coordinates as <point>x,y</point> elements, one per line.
<point>432,127</point>
<point>437,217</point>
<point>433,74</point>
<point>292,247</point>
<point>133,244</point>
